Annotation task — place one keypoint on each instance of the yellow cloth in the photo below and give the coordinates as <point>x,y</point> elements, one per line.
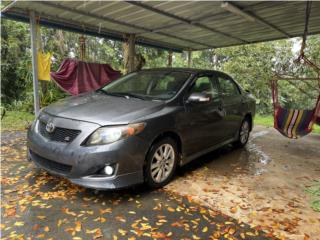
<point>44,62</point>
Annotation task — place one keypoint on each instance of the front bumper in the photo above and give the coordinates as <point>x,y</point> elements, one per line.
<point>80,163</point>
<point>91,181</point>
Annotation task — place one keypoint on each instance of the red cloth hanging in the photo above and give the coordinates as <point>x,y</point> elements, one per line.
<point>77,77</point>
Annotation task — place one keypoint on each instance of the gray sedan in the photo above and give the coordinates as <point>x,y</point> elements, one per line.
<point>139,128</point>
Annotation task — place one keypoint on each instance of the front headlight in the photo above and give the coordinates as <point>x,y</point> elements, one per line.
<point>105,135</point>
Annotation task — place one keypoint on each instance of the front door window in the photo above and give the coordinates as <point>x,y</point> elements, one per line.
<point>205,85</point>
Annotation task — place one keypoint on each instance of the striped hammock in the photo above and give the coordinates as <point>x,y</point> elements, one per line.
<point>293,123</point>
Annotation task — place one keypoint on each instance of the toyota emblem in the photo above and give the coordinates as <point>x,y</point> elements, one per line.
<point>50,127</point>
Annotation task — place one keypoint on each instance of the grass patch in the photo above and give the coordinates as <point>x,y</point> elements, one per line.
<point>264,120</point>
<point>14,120</point>
<point>267,120</point>
<point>314,191</point>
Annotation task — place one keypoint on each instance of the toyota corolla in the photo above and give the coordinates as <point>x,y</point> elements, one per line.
<point>141,127</point>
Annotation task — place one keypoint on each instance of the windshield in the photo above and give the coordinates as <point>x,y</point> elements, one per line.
<point>161,85</point>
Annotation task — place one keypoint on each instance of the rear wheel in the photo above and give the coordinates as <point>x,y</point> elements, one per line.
<point>244,133</point>
<point>161,163</point>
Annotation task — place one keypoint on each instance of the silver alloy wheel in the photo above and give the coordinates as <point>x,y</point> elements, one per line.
<point>244,132</point>
<point>162,163</point>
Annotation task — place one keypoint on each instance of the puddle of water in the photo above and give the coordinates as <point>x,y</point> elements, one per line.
<point>258,134</point>
<point>257,154</point>
<point>227,161</point>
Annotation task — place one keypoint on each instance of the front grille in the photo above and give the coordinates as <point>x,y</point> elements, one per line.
<point>50,165</point>
<point>59,134</point>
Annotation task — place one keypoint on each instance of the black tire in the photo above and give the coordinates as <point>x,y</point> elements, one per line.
<point>242,141</point>
<point>149,179</point>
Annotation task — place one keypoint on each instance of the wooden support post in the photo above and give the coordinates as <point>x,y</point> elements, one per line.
<point>34,63</point>
<point>131,53</point>
<point>170,59</point>
<point>189,58</point>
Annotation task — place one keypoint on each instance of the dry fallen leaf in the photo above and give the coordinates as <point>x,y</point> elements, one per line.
<point>40,235</point>
<point>107,210</point>
<point>122,232</point>
<point>78,226</point>
<point>98,234</point>
<point>10,212</point>
<point>59,222</point>
<point>233,209</point>
<point>67,211</point>
<point>120,219</point>
<point>170,209</point>
<point>36,227</point>
<point>158,235</point>
<point>195,237</point>
<point>216,234</point>
<point>205,229</point>
<point>232,231</point>
<point>19,224</point>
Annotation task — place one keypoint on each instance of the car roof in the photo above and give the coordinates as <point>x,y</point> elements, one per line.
<point>189,70</point>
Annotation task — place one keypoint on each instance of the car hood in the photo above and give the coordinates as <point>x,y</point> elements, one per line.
<point>103,109</point>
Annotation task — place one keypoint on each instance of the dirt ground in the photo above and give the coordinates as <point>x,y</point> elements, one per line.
<point>253,193</point>
<point>261,185</point>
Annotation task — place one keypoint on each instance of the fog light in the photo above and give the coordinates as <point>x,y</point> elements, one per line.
<point>108,170</point>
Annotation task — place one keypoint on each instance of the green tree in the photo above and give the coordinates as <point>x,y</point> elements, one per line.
<point>15,61</point>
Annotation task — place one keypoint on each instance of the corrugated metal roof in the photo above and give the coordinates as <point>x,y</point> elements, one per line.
<point>175,25</point>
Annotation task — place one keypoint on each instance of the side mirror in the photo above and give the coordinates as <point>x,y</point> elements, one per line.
<point>199,98</point>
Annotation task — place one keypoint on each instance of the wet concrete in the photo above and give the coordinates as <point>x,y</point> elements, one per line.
<point>229,161</point>
<point>35,205</point>
<point>263,184</point>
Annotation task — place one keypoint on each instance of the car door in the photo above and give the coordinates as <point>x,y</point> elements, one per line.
<point>231,102</point>
<point>203,120</point>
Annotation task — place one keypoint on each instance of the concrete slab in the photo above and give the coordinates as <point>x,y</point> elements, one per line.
<point>262,185</point>
<point>35,205</point>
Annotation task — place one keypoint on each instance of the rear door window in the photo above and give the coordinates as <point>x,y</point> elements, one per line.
<point>227,86</point>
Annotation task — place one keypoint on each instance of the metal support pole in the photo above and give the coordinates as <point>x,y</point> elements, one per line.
<point>189,58</point>
<point>34,63</point>
<point>131,52</point>
<point>170,59</point>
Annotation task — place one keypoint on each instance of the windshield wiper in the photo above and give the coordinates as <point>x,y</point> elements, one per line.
<point>133,95</point>
<point>111,93</point>
<point>122,94</point>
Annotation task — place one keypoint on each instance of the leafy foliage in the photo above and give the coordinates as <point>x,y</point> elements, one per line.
<point>15,61</point>
<point>251,65</point>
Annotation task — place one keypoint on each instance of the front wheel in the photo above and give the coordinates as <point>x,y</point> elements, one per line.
<point>161,163</point>
<point>244,133</point>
